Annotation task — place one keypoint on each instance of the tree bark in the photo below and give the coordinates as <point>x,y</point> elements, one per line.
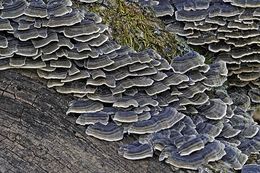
<point>36,135</point>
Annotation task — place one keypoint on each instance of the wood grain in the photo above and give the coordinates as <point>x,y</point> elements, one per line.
<point>36,135</point>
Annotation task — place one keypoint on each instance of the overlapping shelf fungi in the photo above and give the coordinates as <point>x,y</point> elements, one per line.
<point>126,92</point>
<point>227,28</point>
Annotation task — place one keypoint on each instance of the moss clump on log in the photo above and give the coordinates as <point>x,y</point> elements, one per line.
<point>136,28</point>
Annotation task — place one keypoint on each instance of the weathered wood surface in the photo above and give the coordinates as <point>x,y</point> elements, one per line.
<point>36,135</point>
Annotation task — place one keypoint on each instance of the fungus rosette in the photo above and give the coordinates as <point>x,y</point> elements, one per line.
<point>227,28</point>
<point>122,91</point>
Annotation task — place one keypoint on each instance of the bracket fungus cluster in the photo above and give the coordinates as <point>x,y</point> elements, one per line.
<point>121,91</point>
<point>227,28</point>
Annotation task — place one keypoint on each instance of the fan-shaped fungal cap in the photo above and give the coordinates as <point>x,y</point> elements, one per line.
<point>88,1</point>
<point>53,83</point>
<point>195,76</point>
<point>69,19</point>
<point>13,10</point>
<point>100,62</point>
<point>26,49</point>
<point>96,42</point>
<point>108,132</point>
<point>248,146</point>
<point>147,71</point>
<point>215,75</point>
<point>4,64</point>
<point>193,90</point>
<point>234,157</point>
<point>83,74</point>
<point>249,130</point>
<point>94,17</point>
<point>190,16</point>
<point>41,42</point>
<point>60,63</point>
<point>166,119</point>
<point>105,96</point>
<point>223,95</point>
<point>250,168</point>
<point>215,110</point>
<point>144,116</point>
<point>164,65</point>
<point>156,88</point>
<point>36,8</point>
<point>254,95</point>
<point>81,46</point>
<point>125,116</point>
<point>244,3</point>
<point>49,57</point>
<point>158,76</point>
<point>200,27</point>
<point>3,42</point>
<point>17,61</point>
<point>209,129</point>
<point>10,50</point>
<point>120,74</point>
<point>109,81</point>
<point>81,30</point>
<point>211,152</point>
<point>248,76</point>
<point>65,42</point>
<point>126,102</point>
<point>73,70</point>
<point>75,87</point>
<point>108,47</point>
<point>31,33</point>
<point>57,8</point>
<point>121,61</point>
<point>92,118</point>
<point>75,55</point>
<point>97,73</point>
<point>163,8</point>
<point>228,131</point>
<point>166,98</point>
<point>58,74</point>
<point>219,47</point>
<point>203,39</point>
<point>5,25</point>
<point>177,28</point>
<point>137,66</point>
<point>145,100</point>
<point>192,145</point>
<point>182,64</point>
<point>84,106</point>
<point>33,64</point>
<point>175,79</point>
<point>136,151</point>
<point>50,48</point>
<point>137,82</point>
<point>197,99</point>
<point>86,38</point>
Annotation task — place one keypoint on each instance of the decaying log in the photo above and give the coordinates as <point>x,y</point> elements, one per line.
<point>37,136</point>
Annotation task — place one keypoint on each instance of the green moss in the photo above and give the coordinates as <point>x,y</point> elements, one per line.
<point>209,56</point>
<point>133,27</point>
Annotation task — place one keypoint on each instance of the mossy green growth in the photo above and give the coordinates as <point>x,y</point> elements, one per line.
<point>209,56</point>
<point>136,28</point>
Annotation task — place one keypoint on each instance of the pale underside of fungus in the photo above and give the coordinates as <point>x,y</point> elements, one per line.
<point>175,108</point>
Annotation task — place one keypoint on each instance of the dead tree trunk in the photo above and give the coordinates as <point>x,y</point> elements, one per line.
<point>36,135</point>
